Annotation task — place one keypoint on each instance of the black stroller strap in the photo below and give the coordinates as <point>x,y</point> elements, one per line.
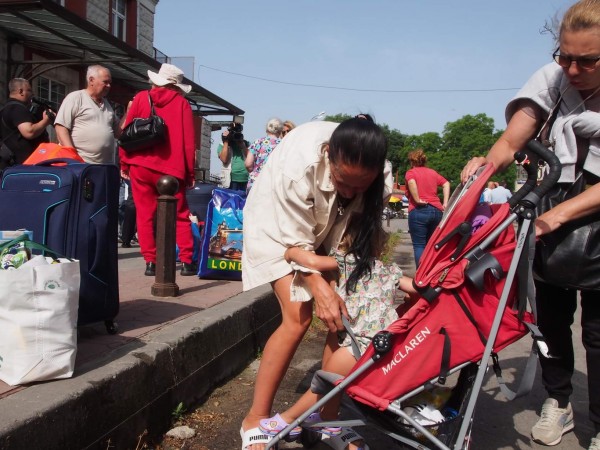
<point>446,353</point>
<point>469,316</point>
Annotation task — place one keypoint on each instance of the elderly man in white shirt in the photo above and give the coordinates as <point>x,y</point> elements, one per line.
<point>87,121</point>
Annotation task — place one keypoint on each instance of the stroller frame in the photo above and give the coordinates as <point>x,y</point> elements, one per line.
<point>523,205</point>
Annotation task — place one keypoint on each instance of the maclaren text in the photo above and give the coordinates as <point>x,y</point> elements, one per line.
<point>408,347</point>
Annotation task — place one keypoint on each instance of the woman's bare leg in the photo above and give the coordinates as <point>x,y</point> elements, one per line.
<point>278,353</point>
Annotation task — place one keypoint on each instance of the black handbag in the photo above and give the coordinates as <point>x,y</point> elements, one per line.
<point>569,257</point>
<point>142,134</point>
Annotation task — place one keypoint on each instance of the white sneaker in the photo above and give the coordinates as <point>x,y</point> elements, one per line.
<point>595,444</point>
<point>553,423</point>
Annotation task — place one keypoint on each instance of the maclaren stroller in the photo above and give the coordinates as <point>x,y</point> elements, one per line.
<point>474,285</point>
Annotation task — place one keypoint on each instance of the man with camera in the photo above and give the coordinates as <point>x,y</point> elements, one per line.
<point>232,153</point>
<point>21,130</point>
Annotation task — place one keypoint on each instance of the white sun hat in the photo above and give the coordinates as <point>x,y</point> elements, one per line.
<point>169,74</point>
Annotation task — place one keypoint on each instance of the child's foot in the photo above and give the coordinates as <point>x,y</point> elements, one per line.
<point>348,439</point>
<point>316,418</point>
<point>274,425</point>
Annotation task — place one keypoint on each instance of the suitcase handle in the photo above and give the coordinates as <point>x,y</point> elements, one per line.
<point>50,162</point>
<point>34,245</point>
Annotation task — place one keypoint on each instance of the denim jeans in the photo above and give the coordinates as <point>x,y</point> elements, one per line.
<point>421,225</point>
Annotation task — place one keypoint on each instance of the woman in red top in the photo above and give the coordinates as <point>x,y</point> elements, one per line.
<point>174,156</point>
<point>424,207</point>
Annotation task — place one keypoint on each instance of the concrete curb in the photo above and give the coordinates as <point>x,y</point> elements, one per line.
<point>110,403</point>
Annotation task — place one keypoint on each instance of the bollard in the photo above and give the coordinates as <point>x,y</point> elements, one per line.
<point>166,211</point>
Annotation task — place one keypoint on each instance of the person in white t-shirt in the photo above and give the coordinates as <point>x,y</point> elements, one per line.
<point>500,194</point>
<point>87,121</point>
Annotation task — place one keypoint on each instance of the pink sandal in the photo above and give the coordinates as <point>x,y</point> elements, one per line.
<point>276,424</point>
<point>316,418</point>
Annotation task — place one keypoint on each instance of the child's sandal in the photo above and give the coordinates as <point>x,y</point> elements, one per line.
<point>316,418</point>
<point>276,424</point>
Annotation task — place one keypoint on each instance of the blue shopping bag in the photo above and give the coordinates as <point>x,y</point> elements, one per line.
<point>223,237</point>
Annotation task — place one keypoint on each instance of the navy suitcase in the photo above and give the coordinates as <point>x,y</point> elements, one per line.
<point>198,197</point>
<point>72,209</point>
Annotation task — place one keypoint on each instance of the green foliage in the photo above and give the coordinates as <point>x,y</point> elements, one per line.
<point>179,411</point>
<point>387,256</point>
<point>338,118</point>
<point>469,136</point>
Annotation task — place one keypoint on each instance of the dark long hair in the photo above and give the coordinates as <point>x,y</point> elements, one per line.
<point>360,142</point>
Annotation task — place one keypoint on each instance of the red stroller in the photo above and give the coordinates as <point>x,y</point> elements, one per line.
<point>471,307</point>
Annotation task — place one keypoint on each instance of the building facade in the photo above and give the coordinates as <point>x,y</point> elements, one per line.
<point>52,42</point>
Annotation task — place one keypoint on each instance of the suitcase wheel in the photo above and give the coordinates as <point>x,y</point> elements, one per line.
<point>111,326</point>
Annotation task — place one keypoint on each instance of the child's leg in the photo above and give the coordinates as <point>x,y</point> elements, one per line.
<point>340,362</point>
<point>331,346</point>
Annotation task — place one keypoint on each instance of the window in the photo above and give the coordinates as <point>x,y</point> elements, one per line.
<point>51,91</point>
<point>54,93</point>
<point>119,10</point>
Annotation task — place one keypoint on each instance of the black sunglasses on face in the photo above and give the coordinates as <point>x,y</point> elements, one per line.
<point>584,63</point>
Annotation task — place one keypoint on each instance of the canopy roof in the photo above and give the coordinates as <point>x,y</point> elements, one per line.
<point>64,38</point>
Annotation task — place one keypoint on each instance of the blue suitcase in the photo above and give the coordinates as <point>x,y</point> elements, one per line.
<point>73,209</point>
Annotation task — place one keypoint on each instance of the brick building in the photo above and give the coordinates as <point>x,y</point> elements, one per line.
<point>51,43</point>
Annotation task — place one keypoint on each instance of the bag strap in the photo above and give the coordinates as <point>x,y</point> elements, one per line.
<point>547,126</point>
<point>31,244</point>
<point>152,112</point>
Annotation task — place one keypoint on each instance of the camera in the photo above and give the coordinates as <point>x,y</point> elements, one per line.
<point>235,133</point>
<point>39,106</point>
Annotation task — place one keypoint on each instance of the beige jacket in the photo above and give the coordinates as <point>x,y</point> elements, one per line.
<point>293,203</point>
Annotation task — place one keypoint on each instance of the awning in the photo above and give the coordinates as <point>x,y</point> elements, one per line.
<point>65,39</point>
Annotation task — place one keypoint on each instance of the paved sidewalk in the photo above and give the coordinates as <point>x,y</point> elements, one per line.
<point>166,350</point>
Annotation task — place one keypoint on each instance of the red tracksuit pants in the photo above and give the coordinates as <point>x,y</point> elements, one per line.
<point>143,185</point>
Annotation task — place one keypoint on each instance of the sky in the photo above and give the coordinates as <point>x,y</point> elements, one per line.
<point>414,65</point>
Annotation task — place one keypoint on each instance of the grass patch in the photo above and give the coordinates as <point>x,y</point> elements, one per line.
<point>388,251</point>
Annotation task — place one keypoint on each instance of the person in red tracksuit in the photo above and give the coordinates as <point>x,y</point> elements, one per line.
<point>174,156</point>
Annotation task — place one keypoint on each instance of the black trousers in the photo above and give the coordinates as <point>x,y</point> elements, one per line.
<point>556,308</point>
<point>129,222</point>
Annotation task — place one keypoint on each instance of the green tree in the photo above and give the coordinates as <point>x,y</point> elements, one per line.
<point>469,136</point>
<point>463,139</point>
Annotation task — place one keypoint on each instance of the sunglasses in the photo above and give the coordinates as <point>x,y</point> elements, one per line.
<point>584,63</point>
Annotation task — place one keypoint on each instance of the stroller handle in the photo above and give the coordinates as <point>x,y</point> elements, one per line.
<point>550,179</point>
<point>531,167</point>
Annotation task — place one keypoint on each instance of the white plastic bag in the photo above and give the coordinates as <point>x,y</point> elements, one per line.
<point>39,302</point>
<point>225,176</point>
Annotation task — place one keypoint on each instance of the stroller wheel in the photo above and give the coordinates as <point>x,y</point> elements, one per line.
<point>309,438</point>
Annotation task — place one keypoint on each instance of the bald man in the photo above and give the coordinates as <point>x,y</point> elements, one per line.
<point>21,132</point>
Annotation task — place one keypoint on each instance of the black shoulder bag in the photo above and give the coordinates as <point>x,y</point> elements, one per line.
<point>570,256</point>
<point>142,134</point>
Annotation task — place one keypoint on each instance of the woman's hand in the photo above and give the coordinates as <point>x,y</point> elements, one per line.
<point>471,167</point>
<point>329,306</point>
